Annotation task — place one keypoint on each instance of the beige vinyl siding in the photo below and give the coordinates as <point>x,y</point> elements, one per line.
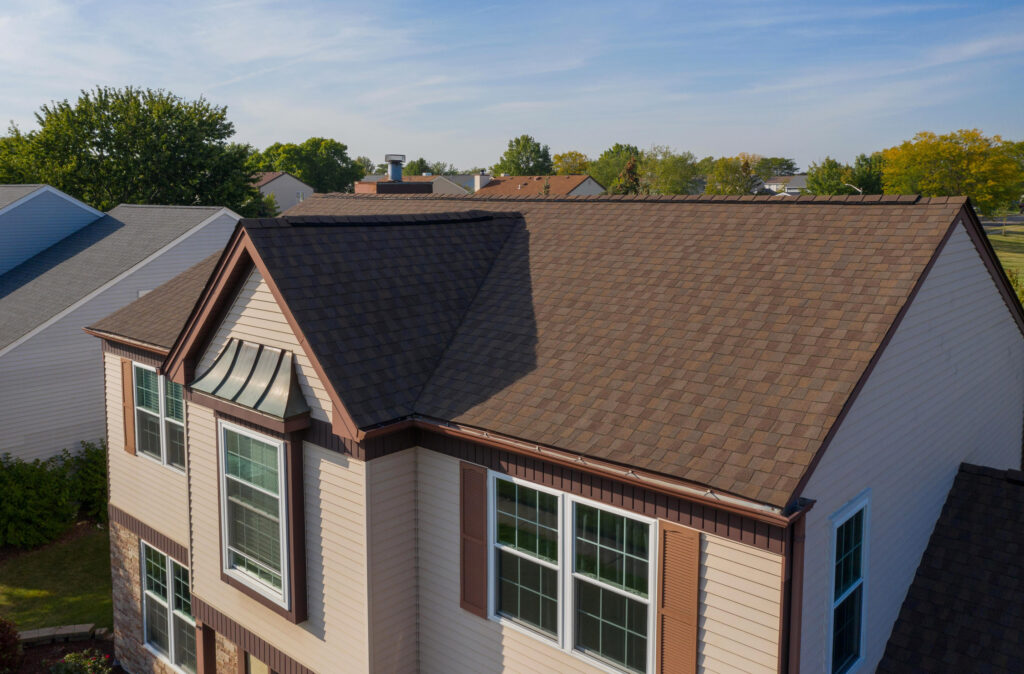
<point>949,388</point>
<point>254,316</point>
<point>61,367</point>
<point>337,630</point>
<point>155,494</point>
<point>391,515</point>
<point>740,589</point>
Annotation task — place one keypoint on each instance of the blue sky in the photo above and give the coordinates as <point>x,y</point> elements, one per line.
<point>454,81</point>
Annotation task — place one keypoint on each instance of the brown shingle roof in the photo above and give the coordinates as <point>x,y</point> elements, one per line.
<point>264,177</point>
<point>157,317</point>
<point>513,186</point>
<point>713,340</point>
<point>964,611</point>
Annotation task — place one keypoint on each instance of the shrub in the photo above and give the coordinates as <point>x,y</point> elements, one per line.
<point>10,647</point>
<point>1017,281</point>
<point>84,662</point>
<point>37,504</point>
<point>89,480</point>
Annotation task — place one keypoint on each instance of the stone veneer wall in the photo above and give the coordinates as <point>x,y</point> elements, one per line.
<point>227,656</point>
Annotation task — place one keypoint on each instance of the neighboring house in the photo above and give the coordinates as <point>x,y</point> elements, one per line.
<point>660,434</point>
<point>50,398</point>
<point>521,186</point>
<point>791,185</point>
<point>34,217</point>
<point>438,184</point>
<point>286,188</point>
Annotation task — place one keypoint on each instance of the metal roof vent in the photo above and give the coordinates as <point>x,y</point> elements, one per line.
<point>394,162</point>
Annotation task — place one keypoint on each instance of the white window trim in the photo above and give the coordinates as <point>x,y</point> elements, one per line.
<point>282,598</point>
<point>163,418</point>
<point>566,575</point>
<point>860,502</point>
<point>171,611</point>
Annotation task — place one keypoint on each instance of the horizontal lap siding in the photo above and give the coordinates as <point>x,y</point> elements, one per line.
<point>948,388</point>
<point>740,588</point>
<point>391,515</point>
<point>37,224</point>
<point>254,316</point>
<point>336,567</point>
<point>154,494</point>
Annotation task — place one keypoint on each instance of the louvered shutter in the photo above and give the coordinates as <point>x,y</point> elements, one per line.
<point>128,405</point>
<point>473,538</point>
<point>678,597</point>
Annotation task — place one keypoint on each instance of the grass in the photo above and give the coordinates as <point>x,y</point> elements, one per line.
<point>1009,246</point>
<point>63,583</point>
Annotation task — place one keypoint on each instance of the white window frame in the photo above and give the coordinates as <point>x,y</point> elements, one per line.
<point>567,576</point>
<point>164,419</point>
<point>861,502</point>
<point>282,598</point>
<point>169,563</point>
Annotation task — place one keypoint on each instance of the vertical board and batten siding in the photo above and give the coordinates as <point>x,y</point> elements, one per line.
<point>154,494</point>
<point>38,223</point>
<point>948,388</point>
<point>740,588</point>
<point>52,394</point>
<point>336,555</point>
<point>255,316</point>
<point>391,542</point>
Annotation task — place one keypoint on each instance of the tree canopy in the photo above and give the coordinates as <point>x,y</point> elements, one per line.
<point>733,175</point>
<point>571,163</point>
<point>769,167</point>
<point>420,166</point>
<point>829,177</point>
<point>606,168</point>
<point>134,146</point>
<point>964,162</point>
<point>524,157</point>
<point>322,163</point>
<point>668,172</point>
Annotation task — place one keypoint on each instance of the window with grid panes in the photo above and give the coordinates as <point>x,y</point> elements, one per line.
<point>848,593</point>
<point>604,579</point>
<point>159,417</point>
<point>167,609</point>
<point>253,508</point>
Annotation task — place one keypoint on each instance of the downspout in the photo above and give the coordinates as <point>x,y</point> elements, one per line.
<point>792,592</point>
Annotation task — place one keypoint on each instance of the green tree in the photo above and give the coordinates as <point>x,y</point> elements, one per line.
<point>368,165</point>
<point>606,168</point>
<point>733,175</point>
<point>866,173</point>
<point>322,163</point>
<point>135,146</point>
<point>829,177</point>
<point>571,163</point>
<point>416,167</point>
<point>629,181</point>
<point>524,157</point>
<point>964,162</point>
<point>768,167</point>
<point>667,172</point>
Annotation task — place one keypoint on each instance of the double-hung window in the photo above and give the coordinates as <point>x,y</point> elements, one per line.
<point>159,417</point>
<point>849,572</point>
<point>253,511</point>
<point>574,572</point>
<point>167,620</point>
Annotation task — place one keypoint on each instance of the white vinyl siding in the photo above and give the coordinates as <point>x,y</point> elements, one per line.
<point>255,317</point>
<point>63,353</point>
<point>948,388</point>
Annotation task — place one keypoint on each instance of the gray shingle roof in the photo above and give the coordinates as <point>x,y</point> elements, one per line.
<point>11,193</point>
<point>66,272</point>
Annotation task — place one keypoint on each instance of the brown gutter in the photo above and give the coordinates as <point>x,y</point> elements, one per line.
<point>652,481</point>
<point>127,341</point>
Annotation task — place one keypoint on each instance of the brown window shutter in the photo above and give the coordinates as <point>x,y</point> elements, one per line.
<point>128,407</point>
<point>473,538</point>
<point>678,597</point>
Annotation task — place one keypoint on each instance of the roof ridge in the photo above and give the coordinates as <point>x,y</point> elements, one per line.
<point>835,199</point>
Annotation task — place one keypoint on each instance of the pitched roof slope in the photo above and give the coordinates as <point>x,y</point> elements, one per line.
<point>157,317</point>
<point>512,186</point>
<point>66,272</point>
<point>380,299</point>
<point>11,193</point>
<point>716,340</point>
<point>964,611</point>
<point>264,177</point>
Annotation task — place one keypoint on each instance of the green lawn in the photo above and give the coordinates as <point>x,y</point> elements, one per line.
<point>64,583</point>
<point>1009,246</point>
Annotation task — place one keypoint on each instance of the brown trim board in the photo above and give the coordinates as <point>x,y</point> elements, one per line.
<point>246,640</point>
<point>164,544</point>
<point>238,413</point>
<point>138,354</point>
<point>988,255</point>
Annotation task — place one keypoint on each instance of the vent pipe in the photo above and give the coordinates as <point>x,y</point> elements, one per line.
<point>394,162</point>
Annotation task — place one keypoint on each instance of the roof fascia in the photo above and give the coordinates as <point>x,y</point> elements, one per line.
<point>341,421</point>
<point>798,490</point>
<point>127,341</point>
<point>47,189</point>
<point>114,281</point>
